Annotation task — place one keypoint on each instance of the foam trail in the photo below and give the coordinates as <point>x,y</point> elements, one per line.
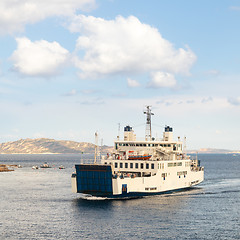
<point>93,198</point>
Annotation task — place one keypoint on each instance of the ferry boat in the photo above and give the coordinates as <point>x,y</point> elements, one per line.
<point>139,168</point>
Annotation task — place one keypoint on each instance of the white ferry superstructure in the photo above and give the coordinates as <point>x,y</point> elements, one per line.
<point>139,168</point>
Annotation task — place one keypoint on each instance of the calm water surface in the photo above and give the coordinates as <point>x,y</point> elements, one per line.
<point>39,204</point>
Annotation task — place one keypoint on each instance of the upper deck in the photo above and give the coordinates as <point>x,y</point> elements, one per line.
<point>165,149</point>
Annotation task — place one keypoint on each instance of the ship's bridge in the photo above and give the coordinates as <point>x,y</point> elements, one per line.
<point>130,144</point>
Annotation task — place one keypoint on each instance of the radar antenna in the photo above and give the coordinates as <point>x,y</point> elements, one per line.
<point>148,112</point>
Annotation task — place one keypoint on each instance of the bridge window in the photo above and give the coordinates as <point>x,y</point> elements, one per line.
<point>126,165</point>
<point>116,164</point>
<point>136,165</point>
<point>141,165</point>
<point>152,165</point>
<point>121,165</point>
<point>131,165</point>
<point>147,165</point>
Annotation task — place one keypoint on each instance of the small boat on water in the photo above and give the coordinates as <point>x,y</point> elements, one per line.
<point>45,165</point>
<point>34,167</point>
<point>61,167</point>
<point>5,168</point>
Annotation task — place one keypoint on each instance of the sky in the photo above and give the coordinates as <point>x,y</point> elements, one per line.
<point>70,68</point>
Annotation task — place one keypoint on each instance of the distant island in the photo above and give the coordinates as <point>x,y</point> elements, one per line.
<point>48,146</point>
<point>51,146</point>
<point>212,151</point>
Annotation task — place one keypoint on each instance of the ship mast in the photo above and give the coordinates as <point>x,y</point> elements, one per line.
<point>148,112</point>
<point>96,148</point>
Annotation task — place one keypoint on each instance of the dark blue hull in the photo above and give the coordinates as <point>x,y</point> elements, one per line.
<point>135,194</point>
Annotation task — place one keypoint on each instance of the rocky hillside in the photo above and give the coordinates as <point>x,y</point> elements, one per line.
<point>45,145</point>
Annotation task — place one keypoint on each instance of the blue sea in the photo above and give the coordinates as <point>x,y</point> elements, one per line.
<point>39,204</point>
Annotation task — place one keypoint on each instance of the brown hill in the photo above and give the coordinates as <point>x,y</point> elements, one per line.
<point>45,145</point>
<point>211,150</point>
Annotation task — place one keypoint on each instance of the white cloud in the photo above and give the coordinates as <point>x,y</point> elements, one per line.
<point>207,100</point>
<point>213,72</point>
<point>123,46</point>
<point>15,14</point>
<point>40,58</point>
<point>234,8</point>
<point>234,101</point>
<point>89,91</point>
<point>218,132</point>
<point>132,83</point>
<point>73,92</point>
<point>96,101</point>
<point>161,79</point>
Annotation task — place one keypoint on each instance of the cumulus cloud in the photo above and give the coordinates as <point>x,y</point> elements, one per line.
<point>234,101</point>
<point>96,101</point>
<point>207,100</point>
<point>40,58</point>
<point>132,83</point>
<point>123,46</point>
<point>15,14</point>
<point>213,72</point>
<point>190,101</point>
<point>89,91</point>
<point>73,92</point>
<point>166,103</point>
<point>161,80</point>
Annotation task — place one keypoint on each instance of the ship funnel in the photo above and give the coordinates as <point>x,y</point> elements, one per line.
<point>168,134</point>
<point>129,134</point>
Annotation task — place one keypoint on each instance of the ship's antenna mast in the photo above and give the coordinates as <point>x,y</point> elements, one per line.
<point>118,137</point>
<point>185,144</point>
<point>148,123</point>
<point>96,147</point>
<point>100,156</point>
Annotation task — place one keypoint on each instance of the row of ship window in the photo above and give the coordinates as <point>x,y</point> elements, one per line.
<point>148,165</point>
<point>174,146</point>
<point>137,165</point>
<point>145,145</point>
<point>175,164</point>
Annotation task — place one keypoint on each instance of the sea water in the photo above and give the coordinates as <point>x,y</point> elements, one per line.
<point>39,204</point>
